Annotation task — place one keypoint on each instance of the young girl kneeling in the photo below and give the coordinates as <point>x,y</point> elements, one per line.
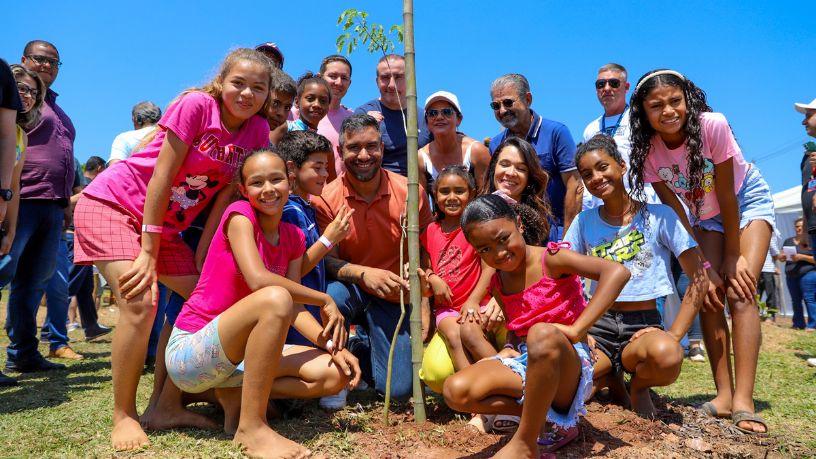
<point>630,337</point>
<point>241,310</point>
<point>546,365</point>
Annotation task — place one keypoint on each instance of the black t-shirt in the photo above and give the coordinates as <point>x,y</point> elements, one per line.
<point>807,196</point>
<point>797,268</point>
<point>9,98</point>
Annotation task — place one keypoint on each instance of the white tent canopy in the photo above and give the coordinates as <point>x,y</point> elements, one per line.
<point>787,207</point>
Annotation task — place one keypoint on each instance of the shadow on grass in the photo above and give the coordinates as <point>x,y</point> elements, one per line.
<point>53,388</point>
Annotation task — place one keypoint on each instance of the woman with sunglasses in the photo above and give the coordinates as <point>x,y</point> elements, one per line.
<point>449,147</point>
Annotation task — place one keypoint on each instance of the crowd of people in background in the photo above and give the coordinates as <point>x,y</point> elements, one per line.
<point>244,228</point>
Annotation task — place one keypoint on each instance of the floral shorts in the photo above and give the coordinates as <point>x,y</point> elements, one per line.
<point>196,361</point>
<point>582,394</point>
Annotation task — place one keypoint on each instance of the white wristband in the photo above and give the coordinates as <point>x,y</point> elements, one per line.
<point>325,241</point>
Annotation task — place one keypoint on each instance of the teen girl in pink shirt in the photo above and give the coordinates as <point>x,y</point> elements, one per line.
<point>687,152</point>
<point>545,370</point>
<point>241,310</point>
<point>128,220</point>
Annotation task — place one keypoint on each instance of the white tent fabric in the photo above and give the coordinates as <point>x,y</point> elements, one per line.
<point>788,207</point>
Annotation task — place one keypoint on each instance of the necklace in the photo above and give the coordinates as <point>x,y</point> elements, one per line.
<point>625,211</point>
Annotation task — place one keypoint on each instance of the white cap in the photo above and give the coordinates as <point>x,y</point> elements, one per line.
<point>803,108</point>
<point>446,96</point>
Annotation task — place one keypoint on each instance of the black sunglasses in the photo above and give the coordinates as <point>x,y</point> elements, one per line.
<point>508,103</point>
<point>42,60</point>
<point>446,112</point>
<point>613,82</point>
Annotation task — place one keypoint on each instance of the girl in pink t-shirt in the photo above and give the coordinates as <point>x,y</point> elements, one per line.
<point>688,152</point>
<point>248,295</point>
<point>542,297</point>
<point>452,267</point>
<point>128,221</point>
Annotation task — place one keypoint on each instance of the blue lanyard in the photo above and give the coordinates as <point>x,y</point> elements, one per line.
<point>615,129</point>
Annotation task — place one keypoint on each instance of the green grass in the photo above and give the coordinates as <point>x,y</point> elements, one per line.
<point>68,413</point>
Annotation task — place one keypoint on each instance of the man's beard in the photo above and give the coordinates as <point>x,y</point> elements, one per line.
<point>509,121</point>
<point>365,176</point>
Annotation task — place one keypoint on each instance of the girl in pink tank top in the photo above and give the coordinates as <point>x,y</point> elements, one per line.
<point>548,320</point>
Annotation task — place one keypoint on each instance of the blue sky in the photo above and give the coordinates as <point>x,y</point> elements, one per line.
<point>754,59</point>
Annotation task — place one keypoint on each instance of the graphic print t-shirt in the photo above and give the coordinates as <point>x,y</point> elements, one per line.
<point>643,247</point>
<point>212,158</point>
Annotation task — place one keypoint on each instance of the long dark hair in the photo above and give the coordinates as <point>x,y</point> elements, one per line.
<point>643,132</point>
<point>534,194</point>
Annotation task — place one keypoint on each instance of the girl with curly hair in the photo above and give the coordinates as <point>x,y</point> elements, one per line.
<point>687,151</point>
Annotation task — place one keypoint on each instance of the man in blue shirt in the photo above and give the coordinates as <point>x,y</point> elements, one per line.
<point>510,100</point>
<point>389,110</point>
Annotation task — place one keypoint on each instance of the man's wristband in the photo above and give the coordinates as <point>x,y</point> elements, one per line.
<point>325,241</point>
<point>152,229</point>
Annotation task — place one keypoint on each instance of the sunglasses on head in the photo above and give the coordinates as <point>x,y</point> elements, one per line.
<point>446,112</point>
<point>613,82</point>
<point>507,103</point>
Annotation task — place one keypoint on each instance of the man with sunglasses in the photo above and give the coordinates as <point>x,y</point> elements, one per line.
<point>510,100</point>
<point>45,188</point>
<point>389,109</point>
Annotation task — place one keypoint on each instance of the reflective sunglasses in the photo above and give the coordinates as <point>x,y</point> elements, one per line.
<point>42,60</point>
<point>507,103</point>
<point>613,82</point>
<point>26,90</point>
<point>447,112</point>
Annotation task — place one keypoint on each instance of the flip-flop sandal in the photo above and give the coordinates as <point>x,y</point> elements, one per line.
<point>556,439</point>
<point>742,416</point>
<point>505,423</point>
<point>709,409</point>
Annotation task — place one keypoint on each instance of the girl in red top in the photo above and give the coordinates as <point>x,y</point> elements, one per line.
<point>454,267</point>
<point>548,320</point>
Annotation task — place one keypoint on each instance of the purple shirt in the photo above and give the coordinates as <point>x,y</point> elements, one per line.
<point>48,172</point>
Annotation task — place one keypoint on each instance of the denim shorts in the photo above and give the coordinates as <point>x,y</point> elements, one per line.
<point>582,392</point>
<point>614,329</point>
<point>755,203</point>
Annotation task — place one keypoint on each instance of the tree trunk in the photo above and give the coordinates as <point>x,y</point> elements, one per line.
<point>413,209</point>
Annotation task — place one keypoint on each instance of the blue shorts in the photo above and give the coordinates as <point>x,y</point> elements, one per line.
<point>755,203</point>
<point>582,393</point>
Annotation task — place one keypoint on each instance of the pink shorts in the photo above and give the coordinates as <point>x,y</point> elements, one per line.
<point>105,231</point>
<point>443,313</point>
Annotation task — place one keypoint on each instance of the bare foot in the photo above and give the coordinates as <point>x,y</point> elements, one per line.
<point>517,449</point>
<point>617,391</point>
<point>642,403</point>
<point>128,435</point>
<point>165,418</point>
<point>264,442</point>
<point>480,422</point>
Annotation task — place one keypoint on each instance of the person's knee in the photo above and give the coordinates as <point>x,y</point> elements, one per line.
<point>277,303</point>
<point>470,333</point>
<point>545,342</point>
<point>456,391</point>
<point>665,354</point>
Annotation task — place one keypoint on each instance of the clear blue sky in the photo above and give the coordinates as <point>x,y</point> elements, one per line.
<point>753,58</point>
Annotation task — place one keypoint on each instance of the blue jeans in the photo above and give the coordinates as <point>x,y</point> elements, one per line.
<point>81,285</point>
<point>795,290</point>
<point>57,299</point>
<point>32,264</point>
<point>376,320</point>
<point>807,284</point>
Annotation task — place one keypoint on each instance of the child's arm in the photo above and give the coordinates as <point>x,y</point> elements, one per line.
<point>611,277</point>
<point>436,286</point>
<point>13,209</point>
<point>223,199</point>
<point>734,267</point>
<point>667,197</point>
<point>240,234</point>
<point>337,230</point>
<point>142,273</point>
<point>493,311</point>
<point>306,324</point>
<point>692,265</point>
